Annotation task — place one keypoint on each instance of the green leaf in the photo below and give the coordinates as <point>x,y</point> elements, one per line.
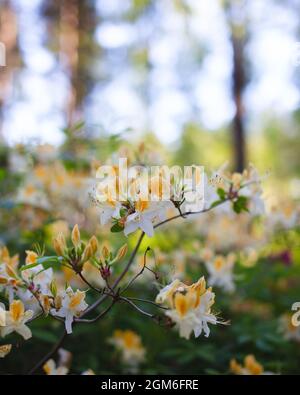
<point>123,212</point>
<point>216,203</point>
<point>116,228</point>
<point>240,204</point>
<point>221,193</point>
<point>45,261</point>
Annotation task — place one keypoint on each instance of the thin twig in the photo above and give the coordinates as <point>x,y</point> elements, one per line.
<point>85,321</point>
<point>137,307</point>
<point>139,273</point>
<point>147,301</point>
<point>88,283</point>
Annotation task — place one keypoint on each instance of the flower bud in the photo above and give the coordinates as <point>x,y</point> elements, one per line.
<point>57,302</point>
<point>46,304</point>
<point>59,244</point>
<point>53,288</point>
<point>76,236</point>
<point>105,252</point>
<point>94,244</point>
<point>87,253</point>
<point>122,252</point>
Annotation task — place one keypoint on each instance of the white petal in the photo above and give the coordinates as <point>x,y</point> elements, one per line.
<point>68,323</point>
<point>24,331</point>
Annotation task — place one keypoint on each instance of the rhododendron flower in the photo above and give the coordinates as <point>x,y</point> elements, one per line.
<point>5,349</point>
<point>51,369</point>
<point>130,346</point>
<point>39,278</point>
<point>108,205</point>
<point>72,305</point>
<point>220,270</point>
<point>251,367</point>
<point>9,279</point>
<point>15,320</point>
<point>146,213</point>
<point>190,307</point>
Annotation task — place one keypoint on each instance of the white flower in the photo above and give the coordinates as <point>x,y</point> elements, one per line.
<point>220,271</point>
<point>51,369</point>
<point>144,217</point>
<point>130,346</point>
<point>108,205</point>
<point>190,318</point>
<point>15,320</point>
<point>72,305</point>
<point>284,215</point>
<point>190,307</point>
<point>40,277</point>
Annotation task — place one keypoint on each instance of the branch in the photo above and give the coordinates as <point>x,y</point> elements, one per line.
<point>136,249</point>
<point>49,354</point>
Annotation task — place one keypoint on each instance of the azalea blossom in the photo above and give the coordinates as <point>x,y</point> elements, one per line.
<point>38,280</point>
<point>146,213</point>
<point>130,346</point>
<point>220,270</point>
<point>51,369</point>
<point>284,215</point>
<point>189,307</point>
<point>15,320</point>
<point>9,280</point>
<point>71,305</point>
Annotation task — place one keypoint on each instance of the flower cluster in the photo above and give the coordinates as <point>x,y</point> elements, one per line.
<point>189,307</point>
<point>135,210</point>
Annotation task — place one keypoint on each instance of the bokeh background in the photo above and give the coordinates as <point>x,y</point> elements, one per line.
<point>176,81</point>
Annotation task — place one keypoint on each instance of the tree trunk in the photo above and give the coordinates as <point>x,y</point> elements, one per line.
<point>238,85</point>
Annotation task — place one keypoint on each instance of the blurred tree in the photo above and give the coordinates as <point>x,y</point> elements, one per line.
<point>236,17</point>
<point>9,37</point>
<point>71,28</point>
